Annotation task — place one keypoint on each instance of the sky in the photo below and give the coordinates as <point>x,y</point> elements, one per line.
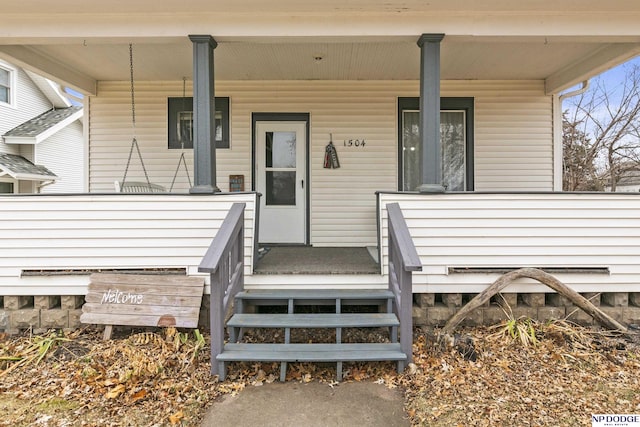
<point>613,81</point>
<point>613,77</point>
<point>617,73</point>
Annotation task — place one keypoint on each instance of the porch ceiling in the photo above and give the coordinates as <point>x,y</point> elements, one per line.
<point>317,6</point>
<point>392,58</point>
<point>560,41</point>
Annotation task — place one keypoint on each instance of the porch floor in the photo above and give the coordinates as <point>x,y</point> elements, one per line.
<point>314,260</point>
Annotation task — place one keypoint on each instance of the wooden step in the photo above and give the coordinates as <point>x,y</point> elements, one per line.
<point>284,353</point>
<point>363,352</point>
<point>305,320</point>
<point>315,294</point>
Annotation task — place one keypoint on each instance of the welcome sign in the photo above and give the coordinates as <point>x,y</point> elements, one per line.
<point>143,300</point>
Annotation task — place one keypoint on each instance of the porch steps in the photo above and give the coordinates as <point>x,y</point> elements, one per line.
<point>315,296</point>
<point>337,352</point>
<point>350,320</point>
<point>316,281</point>
<point>360,352</point>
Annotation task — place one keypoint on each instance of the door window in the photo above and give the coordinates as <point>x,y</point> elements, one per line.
<point>280,168</point>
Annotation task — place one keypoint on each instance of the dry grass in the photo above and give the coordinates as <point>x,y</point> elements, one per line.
<point>558,376</point>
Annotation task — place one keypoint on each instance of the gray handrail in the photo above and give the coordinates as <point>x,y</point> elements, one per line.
<point>224,261</point>
<point>403,261</point>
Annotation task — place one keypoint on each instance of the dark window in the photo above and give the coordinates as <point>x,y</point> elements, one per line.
<point>6,187</point>
<point>181,122</point>
<point>456,136</point>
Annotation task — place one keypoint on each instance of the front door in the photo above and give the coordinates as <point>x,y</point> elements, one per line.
<point>281,158</point>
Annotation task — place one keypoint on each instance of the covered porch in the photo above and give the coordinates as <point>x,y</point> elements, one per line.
<point>461,243</point>
<point>50,244</point>
<point>309,124</point>
<point>434,99</point>
<point>370,84</point>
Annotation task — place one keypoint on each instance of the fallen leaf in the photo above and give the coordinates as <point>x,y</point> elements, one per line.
<point>138,395</point>
<point>115,392</point>
<point>44,419</point>
<point>358,374</point>
<point>175,418</point>
<point>111,381</point>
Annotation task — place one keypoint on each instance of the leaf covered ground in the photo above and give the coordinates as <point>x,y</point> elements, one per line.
<point>541,375</point>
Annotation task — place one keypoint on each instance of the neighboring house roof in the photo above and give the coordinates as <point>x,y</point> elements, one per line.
<point>20,168</point>
<point>630,177</point>
<point>40,128</point>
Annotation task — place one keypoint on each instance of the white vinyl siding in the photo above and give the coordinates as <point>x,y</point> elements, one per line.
<point>561,230</point>
<point>512,144</point>
<point>63,154</point>
<point>108,232</point>
<point>513,127</point>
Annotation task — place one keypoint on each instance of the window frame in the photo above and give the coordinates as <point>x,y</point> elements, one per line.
<point>465,104</point>
<point>12,85</point>
<point>180,104</point>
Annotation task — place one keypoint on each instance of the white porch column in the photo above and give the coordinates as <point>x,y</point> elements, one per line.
<point>430,147</point>
<point>204,141</point>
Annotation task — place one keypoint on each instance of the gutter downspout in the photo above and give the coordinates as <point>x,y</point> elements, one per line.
<point>580,91</point>
<point>557,132</point>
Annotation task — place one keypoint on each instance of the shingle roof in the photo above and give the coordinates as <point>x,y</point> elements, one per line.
<point>20,168</point>
<point>44,121</point>
<point>629,177</point>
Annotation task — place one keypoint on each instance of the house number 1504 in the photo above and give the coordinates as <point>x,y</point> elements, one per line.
<point>354,142</point>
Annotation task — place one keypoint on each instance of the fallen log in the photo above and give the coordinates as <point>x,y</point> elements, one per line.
<point>544,278</point>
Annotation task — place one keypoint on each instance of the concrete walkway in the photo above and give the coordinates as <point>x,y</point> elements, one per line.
<point>312,404</point>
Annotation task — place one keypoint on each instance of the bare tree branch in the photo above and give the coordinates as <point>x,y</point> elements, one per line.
<point>601,134</point>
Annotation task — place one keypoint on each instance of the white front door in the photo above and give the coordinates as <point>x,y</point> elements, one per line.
<point>281,158</point>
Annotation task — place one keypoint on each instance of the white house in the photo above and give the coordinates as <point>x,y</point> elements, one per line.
<point>450,109</point>
<point>627,182</point>
<point>39,126</point>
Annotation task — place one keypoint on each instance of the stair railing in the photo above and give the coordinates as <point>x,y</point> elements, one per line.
<point>224,261</point>
<point>403,261</point>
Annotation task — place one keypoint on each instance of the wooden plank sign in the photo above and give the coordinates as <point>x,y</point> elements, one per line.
<point>143,300</point>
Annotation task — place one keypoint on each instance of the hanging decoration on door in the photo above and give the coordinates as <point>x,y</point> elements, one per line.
<point>331,155</point>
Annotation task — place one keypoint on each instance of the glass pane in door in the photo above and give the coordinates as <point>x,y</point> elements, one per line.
<point>280,150</point>
<point>280,188</point>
